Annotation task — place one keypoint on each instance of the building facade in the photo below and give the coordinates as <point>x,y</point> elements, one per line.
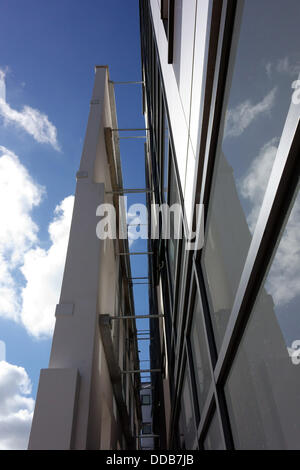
<point>87,399</point>
<point>222,104</point>
<point>147,437</point>
<point>221,99</point>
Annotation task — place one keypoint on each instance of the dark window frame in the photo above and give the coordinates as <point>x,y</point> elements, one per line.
<point>167,12</point>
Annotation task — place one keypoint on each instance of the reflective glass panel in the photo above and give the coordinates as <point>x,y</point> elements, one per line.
<point>200,355</point>
<point>187,430</point>
<point>263,388</point>
<point>264,64</point>
<point>213,440</point>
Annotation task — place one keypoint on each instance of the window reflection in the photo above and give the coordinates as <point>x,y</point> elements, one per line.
<point>146,399</point>
<point>165,158</point>
<point>213,440</point>
<point>262,390</point>
<point>200,355</point>
<point>146,428</point>
<point>174,234</point>
<point>187,429</point>
<point>258,101</point>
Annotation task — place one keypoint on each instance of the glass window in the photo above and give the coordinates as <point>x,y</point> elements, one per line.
<point>165,158</point>
<point>177,38</point>
<point>164,6</point>
<point>181,286</point>
<point>263,388</point>
<point>187,430</point>
<point>200,354</point>
<point>213,440</point>
<point>156,107</point>
<point>264,65</point>
<point>146,399</point>
<point>174,230</point>
<point>146,428</point>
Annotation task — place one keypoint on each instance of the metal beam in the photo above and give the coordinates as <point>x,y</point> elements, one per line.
<point>139,283</point>
<point>135,225</point>
<point>129,191</point>
<point>133,137</point>
<point>138,277</point>
<point>136,317</point>
<point>131,129</point>
<point>136,253</point>
<point>127,83</point>
<point>140,371</point>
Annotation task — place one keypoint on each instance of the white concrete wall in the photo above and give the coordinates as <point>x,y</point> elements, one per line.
<point>81,413</point>
<point>56,410</point>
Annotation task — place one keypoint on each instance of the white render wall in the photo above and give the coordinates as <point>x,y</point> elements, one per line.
<point>183,81</point>
<point>75,405</point>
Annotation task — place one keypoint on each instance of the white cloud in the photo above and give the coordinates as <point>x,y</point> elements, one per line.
<point>284,66</point>
<point>9,301</point>
<point>268,67</point>
<point>2,85</point>
<point>19,194</point>
<point>16,407</point>
<point>284,278</point>
<point>43,272</point>
<point>240,117</point>
<point>29,119</point>
<point>283,281</point>
<point>254,183</point>
<point>34,304</point>
<point>2,351</point>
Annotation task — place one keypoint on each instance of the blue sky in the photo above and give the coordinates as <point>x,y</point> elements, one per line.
<point>48,51</point>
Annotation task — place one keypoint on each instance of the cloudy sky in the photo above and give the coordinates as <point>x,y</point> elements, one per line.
<point>48,51</point>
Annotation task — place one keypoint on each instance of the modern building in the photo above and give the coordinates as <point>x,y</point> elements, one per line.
<point>147,438</point>
<point>87,399</point>
<point>221,100</point>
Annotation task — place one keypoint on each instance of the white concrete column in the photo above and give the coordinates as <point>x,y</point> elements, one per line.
<point>63,399</point>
